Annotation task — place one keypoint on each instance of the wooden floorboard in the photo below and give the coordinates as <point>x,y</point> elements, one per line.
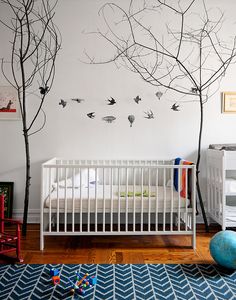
<point>116,249</point>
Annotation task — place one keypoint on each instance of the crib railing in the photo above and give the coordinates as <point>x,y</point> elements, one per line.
<point>118,197</point>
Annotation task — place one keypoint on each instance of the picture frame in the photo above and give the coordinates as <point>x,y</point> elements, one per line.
<point>7,188</point>
<point>9,105</point>
<point>229,102</point>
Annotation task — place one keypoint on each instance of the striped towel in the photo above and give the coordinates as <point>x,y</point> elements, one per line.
<point>184,191</point>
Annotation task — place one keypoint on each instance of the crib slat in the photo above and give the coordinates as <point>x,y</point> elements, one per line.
<point>210,190</point>
<point>127,200</point>
<point>118,199</point>
<point>172,200</point>
<point>157,189</point>
<point>149,202</point>
<point>179,189</point>
<point>141,199</point>
<point>88,213</point>
<point>96,200</point>
<point>73,200</point>
<point>186,200</point>
<point>211,209</point>
<point>65,196</point>
<point>214,191</point>
<point>164,203</point>
<point>134,200</point>
<point>81,201</point>
<point>58,207</point>
<point>104,207</point>
<point>50,201</point>
<point>111,188</point>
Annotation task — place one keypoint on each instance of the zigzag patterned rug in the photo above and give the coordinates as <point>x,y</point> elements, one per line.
<point>120,282</point>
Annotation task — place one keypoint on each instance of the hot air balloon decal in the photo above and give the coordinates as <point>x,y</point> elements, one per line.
<point>131,119</point>
<point>159,94</point>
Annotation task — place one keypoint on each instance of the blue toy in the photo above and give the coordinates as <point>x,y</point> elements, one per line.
<point>54,272</point>
<point>93,280</point>
<point>223,248</point>
<point>81,283</point>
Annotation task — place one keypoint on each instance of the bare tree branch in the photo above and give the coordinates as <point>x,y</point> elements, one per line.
<point>190,61</point>
<point>34,48</point>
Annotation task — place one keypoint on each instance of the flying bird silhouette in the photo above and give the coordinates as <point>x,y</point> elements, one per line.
<point>43,90</point>
<point>63,103</point>
<point>175,107</point>
<point>78,100</point>
<point>149,115</point>
<point>111,101</point>
<point>91,115</point>
<point>194,90</point>
<point>137,99</point>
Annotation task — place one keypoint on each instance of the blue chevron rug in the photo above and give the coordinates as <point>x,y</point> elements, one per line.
<point>119,282</point>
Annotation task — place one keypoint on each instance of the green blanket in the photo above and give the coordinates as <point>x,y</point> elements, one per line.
<point>137,194</point>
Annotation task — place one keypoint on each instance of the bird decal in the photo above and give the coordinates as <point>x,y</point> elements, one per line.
<point>78,100</point>
<point>137,99</point>
<point>63,103</point>
<point>91,115</point>
<point>149,114</point>
<point>43,90</point>
<point>194,90</point>
<point>175,107</point>
<point>111,101</point>
<point>7,107</point>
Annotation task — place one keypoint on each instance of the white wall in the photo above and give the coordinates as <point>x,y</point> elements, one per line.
<point>70,133</point>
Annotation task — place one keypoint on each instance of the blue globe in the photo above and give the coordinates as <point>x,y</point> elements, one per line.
<point>223,248</point>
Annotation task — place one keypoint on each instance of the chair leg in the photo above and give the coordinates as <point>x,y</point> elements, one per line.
<point>19,258</point>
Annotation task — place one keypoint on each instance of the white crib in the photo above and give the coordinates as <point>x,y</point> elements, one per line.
<point>221,187</point>
<point>117,197</point>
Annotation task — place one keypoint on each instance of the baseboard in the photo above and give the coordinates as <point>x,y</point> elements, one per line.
<point>33,215</point>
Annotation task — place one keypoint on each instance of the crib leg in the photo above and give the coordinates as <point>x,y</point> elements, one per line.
<point>41,241</point>
<point>194,246</point>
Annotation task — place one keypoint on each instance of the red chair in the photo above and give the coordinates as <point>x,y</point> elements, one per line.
<point>8,241</point>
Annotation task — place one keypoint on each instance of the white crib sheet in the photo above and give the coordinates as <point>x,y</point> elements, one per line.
<point>131,204</point>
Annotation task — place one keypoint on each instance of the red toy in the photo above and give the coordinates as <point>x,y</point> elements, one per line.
<point>55,280</point>
<point>9,242</point>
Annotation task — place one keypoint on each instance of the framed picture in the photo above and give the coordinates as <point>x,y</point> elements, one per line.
<point>229,102</point>
<point>9,105</point>
<point>6,188</point>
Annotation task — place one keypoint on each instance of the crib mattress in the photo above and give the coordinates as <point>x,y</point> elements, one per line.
<point>115,199</point>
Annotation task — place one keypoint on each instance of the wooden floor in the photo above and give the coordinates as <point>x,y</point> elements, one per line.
<point>116,250</point>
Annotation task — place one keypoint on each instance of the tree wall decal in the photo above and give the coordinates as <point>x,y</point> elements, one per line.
<point>30,69</point>
<point>188,57</point>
